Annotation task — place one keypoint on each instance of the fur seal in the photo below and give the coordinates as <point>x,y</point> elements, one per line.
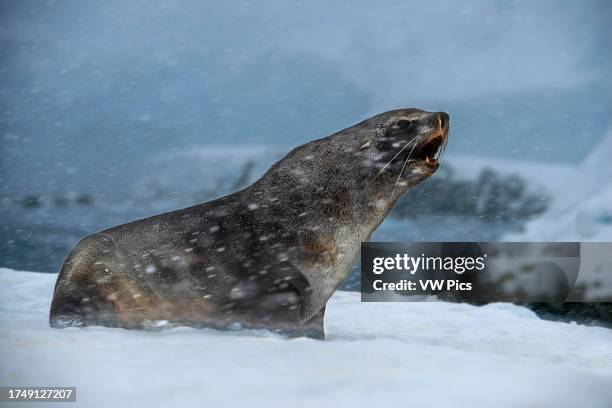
<point>269,256</point>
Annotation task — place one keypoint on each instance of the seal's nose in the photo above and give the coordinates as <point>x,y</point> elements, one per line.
<point>443,120</point>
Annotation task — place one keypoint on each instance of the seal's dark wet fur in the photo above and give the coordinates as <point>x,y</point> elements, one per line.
<point>269,256</point>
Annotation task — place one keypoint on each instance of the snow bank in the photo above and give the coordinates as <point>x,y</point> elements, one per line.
<point>582,205</point>
<point>417,354</point>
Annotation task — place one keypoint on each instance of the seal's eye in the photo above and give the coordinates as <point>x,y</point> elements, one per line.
<point>403,124</point>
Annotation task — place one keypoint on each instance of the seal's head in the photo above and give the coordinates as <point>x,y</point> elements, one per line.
<point>405,142</point>
<point>395,150</point>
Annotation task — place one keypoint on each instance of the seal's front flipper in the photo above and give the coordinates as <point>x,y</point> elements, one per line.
<point>314,327</point>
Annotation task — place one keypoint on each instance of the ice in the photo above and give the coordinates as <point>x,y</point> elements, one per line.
<point>418,354</point>
<point>581,195</point>
<point>582,205</point>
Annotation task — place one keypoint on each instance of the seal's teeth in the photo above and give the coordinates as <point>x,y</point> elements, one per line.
<point>429,160</point>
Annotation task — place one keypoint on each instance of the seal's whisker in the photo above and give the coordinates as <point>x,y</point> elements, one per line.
<point>394,157</point>
<point>415,145</point>
<point>402,169</point>
<point>398,179</point>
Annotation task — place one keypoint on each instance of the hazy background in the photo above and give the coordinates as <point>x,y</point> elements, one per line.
<point>99,98</point>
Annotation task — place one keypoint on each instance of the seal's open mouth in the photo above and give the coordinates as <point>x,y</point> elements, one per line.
<point>431,150</point>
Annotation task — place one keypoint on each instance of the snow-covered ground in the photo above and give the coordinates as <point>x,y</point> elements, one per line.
<point>413,354</point>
